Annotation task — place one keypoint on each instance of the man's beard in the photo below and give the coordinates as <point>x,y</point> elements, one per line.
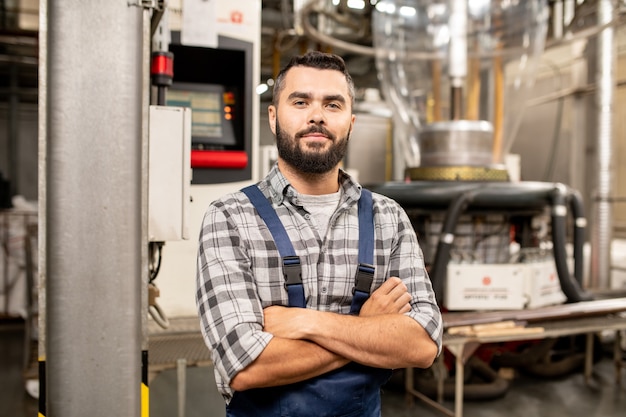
<point>314,160</point>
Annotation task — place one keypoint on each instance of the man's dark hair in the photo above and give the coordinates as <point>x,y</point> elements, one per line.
<point>313,59</point>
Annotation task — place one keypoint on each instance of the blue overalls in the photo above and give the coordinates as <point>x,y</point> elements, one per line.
<point>351,391</point>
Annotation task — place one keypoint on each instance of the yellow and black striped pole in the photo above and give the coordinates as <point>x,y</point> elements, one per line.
<point>145,391</point>
<point>42,387</point>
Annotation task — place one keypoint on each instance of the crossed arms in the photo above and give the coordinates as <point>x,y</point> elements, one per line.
<point>308,343</point>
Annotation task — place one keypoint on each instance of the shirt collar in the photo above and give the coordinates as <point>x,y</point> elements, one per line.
<point>279,187</point>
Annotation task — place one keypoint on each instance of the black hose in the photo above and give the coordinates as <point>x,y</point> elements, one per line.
<point>536,351</point>
<point>556,368</point>
<point>528,196</point>
<point>549,358</point>
<point>446,240</point>
<point>580,224</point>
<point>482,383</point>
<point>570,286</point>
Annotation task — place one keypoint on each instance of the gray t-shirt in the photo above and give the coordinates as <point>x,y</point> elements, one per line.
<point>321,207</point>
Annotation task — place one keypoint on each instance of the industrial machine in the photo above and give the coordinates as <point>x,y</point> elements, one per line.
<point>214,48</point>
<point>458,74</point>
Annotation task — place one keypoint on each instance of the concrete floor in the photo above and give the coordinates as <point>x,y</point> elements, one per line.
<point>528,396</point>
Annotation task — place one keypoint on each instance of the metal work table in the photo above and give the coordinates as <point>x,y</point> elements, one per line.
<point>180,345</point>
<point>462,347</point>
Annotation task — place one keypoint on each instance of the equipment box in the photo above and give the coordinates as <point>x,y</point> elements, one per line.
<point>485,287</point>
<point>542,285</point>
<point>502,286</point>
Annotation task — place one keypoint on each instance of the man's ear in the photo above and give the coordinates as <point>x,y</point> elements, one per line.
<point>352,122</point>
<point>271,112</point>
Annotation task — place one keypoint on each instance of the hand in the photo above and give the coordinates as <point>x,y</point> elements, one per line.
<point>285,322</point>
<point>390,298</point>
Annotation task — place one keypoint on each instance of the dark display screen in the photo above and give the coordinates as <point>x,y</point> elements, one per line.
<point>213,112</point>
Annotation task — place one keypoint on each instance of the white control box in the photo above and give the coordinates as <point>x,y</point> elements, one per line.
<point>169,173</point>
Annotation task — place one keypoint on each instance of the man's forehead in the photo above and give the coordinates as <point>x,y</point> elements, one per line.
<point>313,80</point>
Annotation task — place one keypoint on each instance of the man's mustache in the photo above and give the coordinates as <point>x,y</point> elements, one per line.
<point>316,129</point>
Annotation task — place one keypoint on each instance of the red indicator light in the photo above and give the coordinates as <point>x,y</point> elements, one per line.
<point>162,64</point>
<point>229,98</point>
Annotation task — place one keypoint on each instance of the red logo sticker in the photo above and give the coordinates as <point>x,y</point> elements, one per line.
<point>236,17</point>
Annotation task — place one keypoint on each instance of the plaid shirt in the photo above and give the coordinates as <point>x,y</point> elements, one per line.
<point>240,273</point>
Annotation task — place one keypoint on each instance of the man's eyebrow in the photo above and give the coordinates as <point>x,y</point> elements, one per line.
<point>335,97</point>
<point>332,97</point>
<point>299,94</point>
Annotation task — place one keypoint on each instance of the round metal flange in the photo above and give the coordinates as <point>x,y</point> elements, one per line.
<point>457,173</point>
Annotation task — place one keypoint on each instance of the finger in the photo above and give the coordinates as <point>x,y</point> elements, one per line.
<point>404,299</point>
<point>398,291</point>
<point>405,308</point>
<point>389,284</point>
<point>400,303</point>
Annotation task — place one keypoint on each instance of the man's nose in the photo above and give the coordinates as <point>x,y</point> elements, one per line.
<point>316,115</point>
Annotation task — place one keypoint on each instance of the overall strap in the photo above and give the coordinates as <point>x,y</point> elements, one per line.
<point>365,270</point>
<point>292,269</point>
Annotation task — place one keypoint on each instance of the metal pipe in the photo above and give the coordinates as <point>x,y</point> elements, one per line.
<point>42,201</point>
<point>181,380</point>
<point>602,209</point>
<point>93,208</point>
<point>13,132</point>
<point>145,275</point>
<point>557,19</point>
<point>457,56</point>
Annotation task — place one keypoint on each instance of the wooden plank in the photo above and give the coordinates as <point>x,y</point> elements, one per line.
<point>565,311</point>
<point>503,328</point>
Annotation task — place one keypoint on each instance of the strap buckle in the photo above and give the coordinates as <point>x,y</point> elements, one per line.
<point>292,270</point>
<point>364,278</point>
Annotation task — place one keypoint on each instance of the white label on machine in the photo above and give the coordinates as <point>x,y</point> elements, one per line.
<point>484,287</point>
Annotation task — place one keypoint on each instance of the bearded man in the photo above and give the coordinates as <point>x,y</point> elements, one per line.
<point>311,289</point>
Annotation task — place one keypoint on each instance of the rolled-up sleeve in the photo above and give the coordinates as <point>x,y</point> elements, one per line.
<point>230,312</point>
<point>407,262</point>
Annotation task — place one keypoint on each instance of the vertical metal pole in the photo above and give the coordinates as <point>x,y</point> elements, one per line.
<point>41,200</point>
<point>181,380</point>
<point>557,19</point>
<point>13,133</point>
<point>580,110</point>
<point>458,383</point>
<point>602,210</point>
<point>93,208</point>
<point>146,45</point>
